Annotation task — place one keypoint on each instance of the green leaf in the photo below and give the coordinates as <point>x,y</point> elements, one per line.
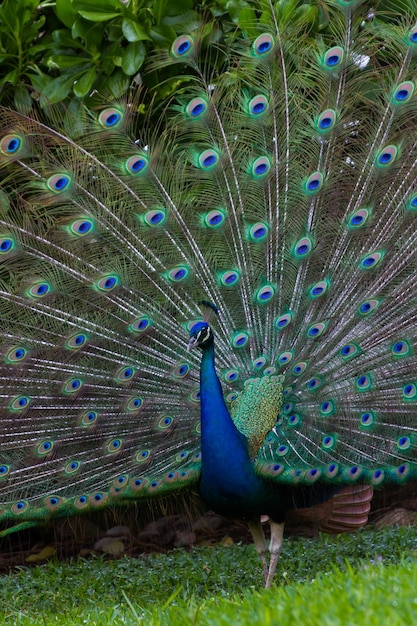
<point>12,77</point>
<point>62,37</point>
<point>235,8</point>
<point>133,57</point>
<point>162,8</point>
<point>98,10</point>
<point>84,84</point>
<point>163,35</point>
<point>246,19</point>
<point>99,5</point>
<point>65,12</point>
<point>91,34</point>
<point>133,31</point>
<point>96,16</point>
<point>57,89</point>
<point>64,61</point>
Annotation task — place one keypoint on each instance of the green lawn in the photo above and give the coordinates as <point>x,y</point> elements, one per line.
<point>369,578</point>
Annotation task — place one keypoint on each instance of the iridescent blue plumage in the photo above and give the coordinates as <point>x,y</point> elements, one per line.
<point>228,482</point>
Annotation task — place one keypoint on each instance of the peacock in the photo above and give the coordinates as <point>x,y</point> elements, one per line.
<point>219,290</point>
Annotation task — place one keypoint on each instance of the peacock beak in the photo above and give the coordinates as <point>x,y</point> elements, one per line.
<point>191,344</point>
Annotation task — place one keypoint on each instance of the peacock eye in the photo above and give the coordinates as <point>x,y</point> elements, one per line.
<point>203,335</point>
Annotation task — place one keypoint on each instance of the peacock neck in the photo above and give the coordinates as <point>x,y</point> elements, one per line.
<point>227,470</point>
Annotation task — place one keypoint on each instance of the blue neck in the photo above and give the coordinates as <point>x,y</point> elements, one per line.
<point>219,434</point>
<point>227,470</point>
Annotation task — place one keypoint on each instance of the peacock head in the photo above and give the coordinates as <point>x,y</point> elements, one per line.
<point>201,336</point>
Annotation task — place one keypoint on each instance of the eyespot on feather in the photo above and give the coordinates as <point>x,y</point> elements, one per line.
<point>258,106</point>
<point>155,217</point>
<point>285,357</point>
<point>412,36</point>
<point>18,404</point>
<point>316,330</point>
<point>367,420</point>
<point>327,407</point>
<point>318,289</point>
<point>369,306</point>
<point>182,47</point>
<point>409,392</point>
<point>81,502</point>
<point>143,455</point>
<point>349,351</point>
<point>196,108</point>
<point>88,418</point>
<point>403,93</point>
<point>313,183</point>
<point>134,404</point>
<point>363,382</point>
<point>239,340</point>
<point>283,320</point>
<point>264,294</point>
<point>166,421</point>
<point>229,278</point>
<point>299,368</point>
<point>11,145</point>
<point>231,376</point>
<point>370,261</point>
<point>125,374</point>
<point>111,118</point>
<point>215,218</point>
<point>182,370</point>
<point>16,354</point>
<point>98,499</point>
<point>412,202</point>
<point>401,348</point>
<point>72,386</point>
<point>76,341</point>
<point>59,183</point>
<point>113,446</point>
<point>326,121</point>
<point>44,448</point>
<point>136,164</point>
<point>386,156</point>
<point>208,159</point>
<point>260,167</point>
<point>303,247</point>
<point>19,507</point>
<point>178,274</point>
<point>333,58</point>
<point>4,471</point>
<point>258,232</point>
<point>358,218</point>
<point>72,467</point>
<point>82,227</point>
<point>263,45</point>
<point>140,324</point>
<point>107,283</point>
<point>7,245</point>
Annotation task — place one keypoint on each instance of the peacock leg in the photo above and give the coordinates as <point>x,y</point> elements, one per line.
<point>257,532</point>
<point>277,533</point>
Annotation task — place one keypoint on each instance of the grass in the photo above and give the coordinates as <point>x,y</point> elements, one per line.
<point>369,578</point>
